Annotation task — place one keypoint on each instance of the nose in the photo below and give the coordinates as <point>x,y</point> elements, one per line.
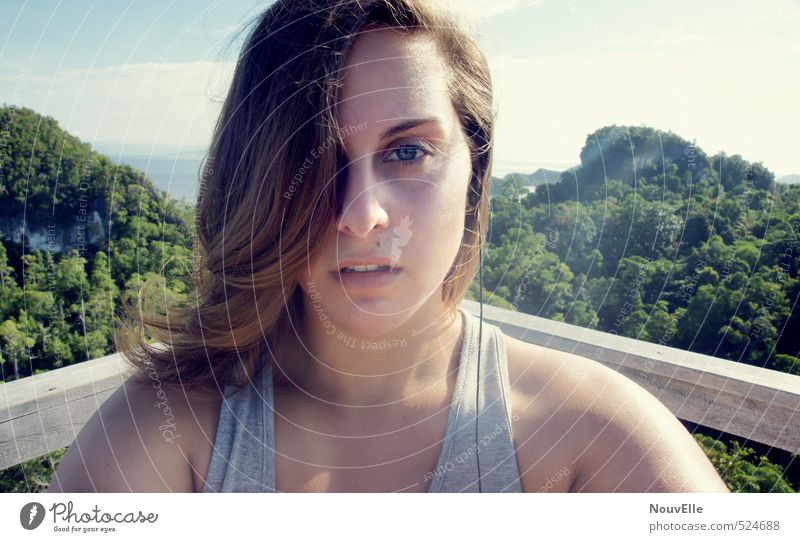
<point>364,203</point>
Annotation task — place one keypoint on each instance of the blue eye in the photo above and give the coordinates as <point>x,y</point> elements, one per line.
<point>406,154</point>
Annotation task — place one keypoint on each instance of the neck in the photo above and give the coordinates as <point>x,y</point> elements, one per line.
<point>348,369</point>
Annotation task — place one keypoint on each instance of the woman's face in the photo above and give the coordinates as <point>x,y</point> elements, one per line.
<point>403,191</point>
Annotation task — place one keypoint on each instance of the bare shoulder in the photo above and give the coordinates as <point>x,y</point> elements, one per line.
<point>139,440</point>
<point>610,434</point>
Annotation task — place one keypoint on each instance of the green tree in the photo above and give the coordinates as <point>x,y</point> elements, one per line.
<point>16,345</point>
<point>739,470</point>
<point>10,292</point>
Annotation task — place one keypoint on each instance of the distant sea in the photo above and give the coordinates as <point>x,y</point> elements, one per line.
<point>501,168</point>
<point>178,176</point>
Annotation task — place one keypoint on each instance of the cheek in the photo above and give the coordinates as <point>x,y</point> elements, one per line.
<point>316,263</point>
<point>444,197</point>
<point>452,198</point>
<point>441,227</point>
<point>449,214</point>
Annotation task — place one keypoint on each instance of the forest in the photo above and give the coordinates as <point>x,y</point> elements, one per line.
<point>651,238</point>
<point>648,237</point>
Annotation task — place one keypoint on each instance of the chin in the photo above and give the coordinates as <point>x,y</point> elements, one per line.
<point>367,314</point>
<point>371,317</point>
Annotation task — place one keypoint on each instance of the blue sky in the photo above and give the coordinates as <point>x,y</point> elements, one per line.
<point>141,77</point>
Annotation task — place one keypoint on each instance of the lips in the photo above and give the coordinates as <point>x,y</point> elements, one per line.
<point>371,260</point>
<point>367,282</point>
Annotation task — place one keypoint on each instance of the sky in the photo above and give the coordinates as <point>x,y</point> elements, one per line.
<point>148,77</point>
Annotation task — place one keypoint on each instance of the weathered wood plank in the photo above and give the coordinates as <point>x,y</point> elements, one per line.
<point>752,402</point>
<point>45,412</point>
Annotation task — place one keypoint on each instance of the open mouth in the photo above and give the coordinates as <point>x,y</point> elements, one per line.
<point>365,269</point>
<point>364,278</point>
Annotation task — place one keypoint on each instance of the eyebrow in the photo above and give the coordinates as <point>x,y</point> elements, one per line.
<point>406,125</point>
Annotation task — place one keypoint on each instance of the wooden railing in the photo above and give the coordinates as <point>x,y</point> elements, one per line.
<point>42,413</point>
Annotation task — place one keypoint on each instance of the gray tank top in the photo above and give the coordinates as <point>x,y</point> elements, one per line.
<point>243,456</point>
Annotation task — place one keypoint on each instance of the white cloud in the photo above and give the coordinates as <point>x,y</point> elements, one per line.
<point>780,13</point>
<point>159,104</point>
<point>548,105</point>
<point>734,98</point>
<point>662,39</point>
<point>482,9</point>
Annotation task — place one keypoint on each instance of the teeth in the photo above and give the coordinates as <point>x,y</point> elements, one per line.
<point>365,268</point>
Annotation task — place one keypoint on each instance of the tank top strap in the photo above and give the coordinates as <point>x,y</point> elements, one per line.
<point>484,451</point>
<point>242,460</point>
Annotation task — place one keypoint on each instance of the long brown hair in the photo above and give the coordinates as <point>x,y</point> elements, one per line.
<point>258,207</point>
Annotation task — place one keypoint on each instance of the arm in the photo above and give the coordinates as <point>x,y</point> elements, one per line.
<point>633,443</point>
<point>122,449</point>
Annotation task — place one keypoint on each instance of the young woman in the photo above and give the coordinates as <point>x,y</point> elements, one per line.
<point>340,222</point>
